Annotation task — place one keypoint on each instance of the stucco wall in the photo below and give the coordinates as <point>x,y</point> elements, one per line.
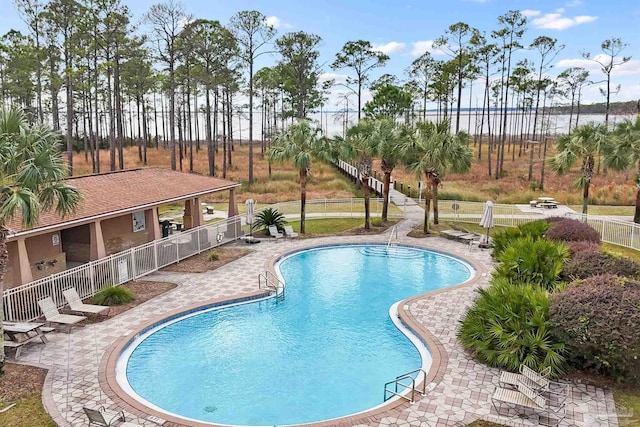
<point>118,233</point>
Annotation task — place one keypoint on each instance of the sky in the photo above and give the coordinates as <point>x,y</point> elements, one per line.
<point>404,29</point>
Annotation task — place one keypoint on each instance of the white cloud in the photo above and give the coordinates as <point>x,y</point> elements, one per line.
<point>629,68</point>
<point>555,21</point>
<point>391,47</point>
<point>529,13</point>
<point>338,78</point>
<point>423,46</point>
<point>274,21</point>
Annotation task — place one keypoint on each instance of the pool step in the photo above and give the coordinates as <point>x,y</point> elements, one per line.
<point>391,252</point>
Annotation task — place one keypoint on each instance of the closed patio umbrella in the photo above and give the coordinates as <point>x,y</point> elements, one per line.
<point>250,204</point>
<point>487,218</point>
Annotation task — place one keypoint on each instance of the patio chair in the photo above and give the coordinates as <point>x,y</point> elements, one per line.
<point>106,418</point>
<point>532,379</point>
<point>76,304</point>
<point>527,398</point>
<point>273,231</point>
<point>52,315</point>
<point>538,382</point>
<point>288,231</point>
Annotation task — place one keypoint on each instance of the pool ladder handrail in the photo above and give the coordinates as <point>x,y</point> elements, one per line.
<point>393,230</point>
<point>398,382</point>
<point>271,281</point>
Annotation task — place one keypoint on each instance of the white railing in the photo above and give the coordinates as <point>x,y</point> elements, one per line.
<point>353,208</point>
<point>621,233</point>
<point>471,212</point>
<point>20,303</point>
<point>375,184</point>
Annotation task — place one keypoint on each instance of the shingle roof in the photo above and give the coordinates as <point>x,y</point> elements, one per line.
<point>108,193</point>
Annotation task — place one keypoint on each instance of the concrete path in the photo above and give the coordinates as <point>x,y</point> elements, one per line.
<point>462,392</point>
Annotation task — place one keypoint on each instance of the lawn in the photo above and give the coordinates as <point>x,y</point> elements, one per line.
<point>328,226</point>
<point>606,210</point>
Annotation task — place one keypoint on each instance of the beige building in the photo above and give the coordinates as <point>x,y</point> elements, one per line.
<point>118,211</point>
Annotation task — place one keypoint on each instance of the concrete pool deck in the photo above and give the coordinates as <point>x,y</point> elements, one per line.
<point>77,361</point>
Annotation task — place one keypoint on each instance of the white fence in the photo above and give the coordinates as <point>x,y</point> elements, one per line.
<point>352,171</point>
<point>352,208</point>
<point>621,233</point>
<point>20,303</point>
<point>471,212</point>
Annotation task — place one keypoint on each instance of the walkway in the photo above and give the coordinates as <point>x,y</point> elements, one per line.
<point>464,387</point>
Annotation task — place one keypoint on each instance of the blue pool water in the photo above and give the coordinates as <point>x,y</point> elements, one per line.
<point>325,352</point>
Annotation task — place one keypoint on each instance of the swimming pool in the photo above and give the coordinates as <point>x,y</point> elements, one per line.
<point>323,353</point>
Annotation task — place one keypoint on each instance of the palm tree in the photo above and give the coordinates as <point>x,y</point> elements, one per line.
<point>586,143</point>
<point>31,180</point>
<point>300,143</point>
<point>385,139</point>
<point>433,150</point>
<point>360,146</point>
<point>626,153</point>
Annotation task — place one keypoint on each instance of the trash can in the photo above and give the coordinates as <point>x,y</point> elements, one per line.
<point>166,227</point>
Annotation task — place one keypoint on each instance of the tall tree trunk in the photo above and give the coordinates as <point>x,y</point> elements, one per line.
<point>367,198</point>
<point>428,195</point>
<point>145,131</point>
<point>250,121</point>
<point>636,215</point>
<point>172,113</point>
<point>210,154</point>
<point>139,130</point>
<point>69,90</point>
<point>119,116</point>
<point>4,258</point>
<point>303,199</point>
<point>385,193</point>
<point>588,174</point>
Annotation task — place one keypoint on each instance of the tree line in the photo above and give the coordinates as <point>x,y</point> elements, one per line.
<point>185,74</point>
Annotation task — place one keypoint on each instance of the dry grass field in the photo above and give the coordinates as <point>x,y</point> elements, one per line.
<point>614,188</point>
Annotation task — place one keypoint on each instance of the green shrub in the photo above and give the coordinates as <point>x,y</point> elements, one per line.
<point>534,229</point>
<point>213,256</point>
<point>268,217</point>
<point>503,239</point>
<point>531,260</point>
<point>114,295</point>
<point>509,325</point>
<point>598,319</point>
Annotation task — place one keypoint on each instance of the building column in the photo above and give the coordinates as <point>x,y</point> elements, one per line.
<point>233,207</point>
<point>97,248</point>
<point>193,217</point>
<point>155,229</point>
<point>233,229</point>
<point>24,265</point>
<point>198,216</point>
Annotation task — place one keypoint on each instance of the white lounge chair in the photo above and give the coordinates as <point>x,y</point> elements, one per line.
<point>288,231</point>
<point>273,231</point>
<point>52,315</point>
<point>106,418</point>
<point>527,398</point>
<point>76,304</point>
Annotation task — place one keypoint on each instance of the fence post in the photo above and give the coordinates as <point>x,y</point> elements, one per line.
<point>113,270</point>
<point>155,255</point>
<point>133,263</point>
<point>177,250</point>
<point>92,277</point>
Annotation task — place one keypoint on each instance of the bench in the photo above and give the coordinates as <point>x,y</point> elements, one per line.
<point>548,205</point>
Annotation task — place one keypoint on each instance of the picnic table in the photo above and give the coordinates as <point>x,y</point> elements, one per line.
<point>547,202</point>
<point>20,333</point>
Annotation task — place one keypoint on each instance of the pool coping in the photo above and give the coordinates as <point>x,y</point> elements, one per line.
<point>112,389</point>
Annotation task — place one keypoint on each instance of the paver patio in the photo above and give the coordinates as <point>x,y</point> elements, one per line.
<point>464,387</point>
